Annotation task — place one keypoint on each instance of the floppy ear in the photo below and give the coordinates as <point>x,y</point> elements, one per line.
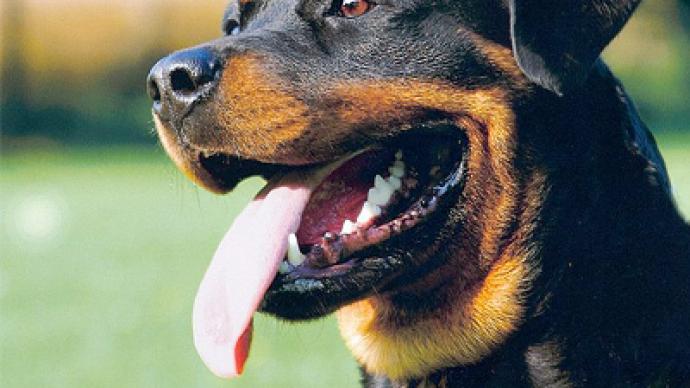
<point>556,42</point>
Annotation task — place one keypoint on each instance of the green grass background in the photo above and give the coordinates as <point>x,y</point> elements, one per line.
<point>101,253</point>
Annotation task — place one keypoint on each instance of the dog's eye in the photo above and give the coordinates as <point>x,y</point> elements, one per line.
<point>231,27</point>
<point>354,8</point>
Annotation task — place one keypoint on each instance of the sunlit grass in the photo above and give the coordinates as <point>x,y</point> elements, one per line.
<point>101,254</point>
<point>101,257</point>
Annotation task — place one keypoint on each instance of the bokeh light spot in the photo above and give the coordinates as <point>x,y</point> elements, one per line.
<point>38,218</point>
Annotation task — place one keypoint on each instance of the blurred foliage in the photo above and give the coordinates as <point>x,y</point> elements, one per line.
<point>652,57</point>
<point>73,71</point>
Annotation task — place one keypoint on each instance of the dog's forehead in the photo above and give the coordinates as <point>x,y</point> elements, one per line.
<point>311,47</point>
<point>397,21</point>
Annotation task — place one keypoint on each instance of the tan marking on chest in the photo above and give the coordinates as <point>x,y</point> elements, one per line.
<point>464,334</point>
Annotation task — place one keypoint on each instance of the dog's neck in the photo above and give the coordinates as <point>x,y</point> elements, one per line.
<point>623,263</point>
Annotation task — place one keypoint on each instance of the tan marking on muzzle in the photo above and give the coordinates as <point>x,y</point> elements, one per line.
<point>404,101</point>
<point>257,112</point>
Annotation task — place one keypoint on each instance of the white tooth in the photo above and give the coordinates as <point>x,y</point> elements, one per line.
<point>295,256</point>
<point>397,171</point>
<point>395,182</point>
<point>379,182</point>
<point>388,190</point>
<point>383,187</point>
<point>284,267</point>
<point>369,212</point>
<point>380,196</point>
<point>399,163</point>
<point>348,227</point>
<point>398,155</point>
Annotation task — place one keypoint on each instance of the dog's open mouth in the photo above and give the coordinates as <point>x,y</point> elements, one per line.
<point>318,237</point>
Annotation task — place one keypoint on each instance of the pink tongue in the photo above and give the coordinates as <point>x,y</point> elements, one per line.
<point>243,268</point>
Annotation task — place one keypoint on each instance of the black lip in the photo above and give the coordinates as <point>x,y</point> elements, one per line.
<point>309,293</point>
<point>228,171</point>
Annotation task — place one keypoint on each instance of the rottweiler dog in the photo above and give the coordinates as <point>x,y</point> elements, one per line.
<point>463,182</point>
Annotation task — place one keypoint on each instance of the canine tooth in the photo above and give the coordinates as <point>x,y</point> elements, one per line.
<point>398,155</point>
<point>395,182</point>
<point>284,267</point>
<point>295,256</point>
<point>397,171</point>
<point>348,227</point>
<point>380,195</point>
<point>369,211</point>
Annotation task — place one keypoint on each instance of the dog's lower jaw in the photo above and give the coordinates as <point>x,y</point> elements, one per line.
<point>485,279</point>
<point>386,343</point>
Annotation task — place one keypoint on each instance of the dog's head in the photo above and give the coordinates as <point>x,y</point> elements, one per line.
<point>400,188</point>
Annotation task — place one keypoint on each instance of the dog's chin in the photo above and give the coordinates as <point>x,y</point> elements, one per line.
<point>331,265</point>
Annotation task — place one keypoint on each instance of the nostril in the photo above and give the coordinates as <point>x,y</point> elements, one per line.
<point>153,90</point>
<point>182,81</point>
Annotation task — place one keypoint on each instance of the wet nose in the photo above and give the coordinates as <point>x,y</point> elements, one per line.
<point>178,80</point>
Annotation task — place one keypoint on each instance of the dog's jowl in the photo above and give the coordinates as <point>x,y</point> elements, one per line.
<point>464,183</point>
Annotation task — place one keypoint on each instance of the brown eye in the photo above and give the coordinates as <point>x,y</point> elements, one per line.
<point>354,8</point>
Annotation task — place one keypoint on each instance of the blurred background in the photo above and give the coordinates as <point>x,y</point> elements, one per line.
<point>103,242</point>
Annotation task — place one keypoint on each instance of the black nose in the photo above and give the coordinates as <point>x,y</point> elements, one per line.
<point>178,80</point>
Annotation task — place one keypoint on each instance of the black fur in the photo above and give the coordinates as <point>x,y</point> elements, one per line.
<point>557,42</point>
<point>610,304</point>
